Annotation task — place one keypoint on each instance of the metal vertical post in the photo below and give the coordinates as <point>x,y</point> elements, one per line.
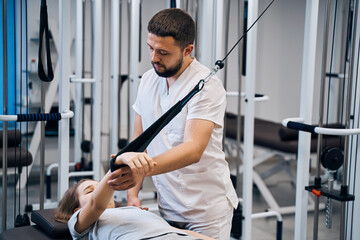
<point>226,42</point>
<point>219,41</point>
<point>42,146</point>
<point>5,112</point>
<point>78,108</point>
<point>321,113</point>
<point>240,57</point>
<point>352,230</point>
<point>206,57</point>
<point>97,89</point>
<point>306,102</point>
<point>134,57</point>
<point>64,95</point>
<point>115,52</point>
<point>249,111</point>
<point>344,187</point>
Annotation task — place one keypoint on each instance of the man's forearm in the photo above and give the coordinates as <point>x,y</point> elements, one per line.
<point>181,156</point>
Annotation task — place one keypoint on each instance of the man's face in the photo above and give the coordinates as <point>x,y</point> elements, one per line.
<point>166,56</point>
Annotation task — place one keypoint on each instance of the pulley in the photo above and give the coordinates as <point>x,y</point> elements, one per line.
<point>332,158</point>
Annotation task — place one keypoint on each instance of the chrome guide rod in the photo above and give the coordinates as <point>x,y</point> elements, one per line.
<point>115,58</point>
<point>240,64</point>
<point>42,142</point>
<point>128,61</point>
<point>321,115</point>
<point>78,108</point>
<point>97,87</point>
<point>344,186</point>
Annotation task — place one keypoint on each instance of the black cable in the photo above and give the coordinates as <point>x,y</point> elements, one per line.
<point>14,12</point>
<point>330,75</point>
<point>346,57</point>
<point>247,30</point>
<point>27,99</point>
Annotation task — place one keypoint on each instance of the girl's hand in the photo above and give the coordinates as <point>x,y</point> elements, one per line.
<point>134,201</point>
<point>140,163</point>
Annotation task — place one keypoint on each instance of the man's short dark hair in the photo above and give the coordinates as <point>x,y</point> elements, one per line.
<point>175,23</point>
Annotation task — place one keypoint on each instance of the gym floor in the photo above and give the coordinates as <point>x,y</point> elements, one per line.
<point>265,228</point>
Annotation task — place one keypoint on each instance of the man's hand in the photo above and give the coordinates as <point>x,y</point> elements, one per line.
<point>139,162</point>
<point>123,179</point>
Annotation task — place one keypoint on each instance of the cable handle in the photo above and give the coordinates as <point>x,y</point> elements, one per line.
<point>296,124</point>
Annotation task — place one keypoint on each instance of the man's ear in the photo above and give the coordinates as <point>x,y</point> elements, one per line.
<point>188,49</point>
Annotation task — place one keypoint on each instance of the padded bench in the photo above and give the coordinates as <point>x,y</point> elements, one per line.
<point>45,228</point>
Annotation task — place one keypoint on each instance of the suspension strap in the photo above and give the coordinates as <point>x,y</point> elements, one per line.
<point>44,36</point>
<point>143,140</point>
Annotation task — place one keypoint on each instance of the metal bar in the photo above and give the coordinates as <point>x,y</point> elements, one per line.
<point>42,133</point>
<point>120,77</point>
<point>344,187</point>
<point>134,61</point>
<point>81,173</point>
<point>78,108</point>
<point>129,69</point>
<point>207,56</point>
<point>7,118</point>
<point>115,58</point>
<point>5,103</point>
<point>226,40</point>
<point>97,89</point>
<point>238,123</point>
<point>219,36</point>
<point>249,112</point>
<point>319,130</point>
<point>64,95</point>
<point>42,146</point>
<point>321,114</point>
<point>306,100</point>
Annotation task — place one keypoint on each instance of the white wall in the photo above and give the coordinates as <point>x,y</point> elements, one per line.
<point>279,60</point>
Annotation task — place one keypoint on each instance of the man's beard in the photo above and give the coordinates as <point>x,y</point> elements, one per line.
<point>169,72</point>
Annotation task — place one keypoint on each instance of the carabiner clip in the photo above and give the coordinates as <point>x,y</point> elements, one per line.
<point>201,84</point>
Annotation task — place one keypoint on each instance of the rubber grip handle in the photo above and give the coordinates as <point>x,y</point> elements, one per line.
<point>114,166</point>
<point>301,127</point>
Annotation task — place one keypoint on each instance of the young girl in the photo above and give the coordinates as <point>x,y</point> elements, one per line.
<point>89,210</point>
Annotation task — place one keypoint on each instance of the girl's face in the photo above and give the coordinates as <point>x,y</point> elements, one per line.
<point>84,191</point>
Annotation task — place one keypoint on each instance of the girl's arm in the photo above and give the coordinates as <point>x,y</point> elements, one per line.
<point>99,201</point>
<point>141,163</point>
